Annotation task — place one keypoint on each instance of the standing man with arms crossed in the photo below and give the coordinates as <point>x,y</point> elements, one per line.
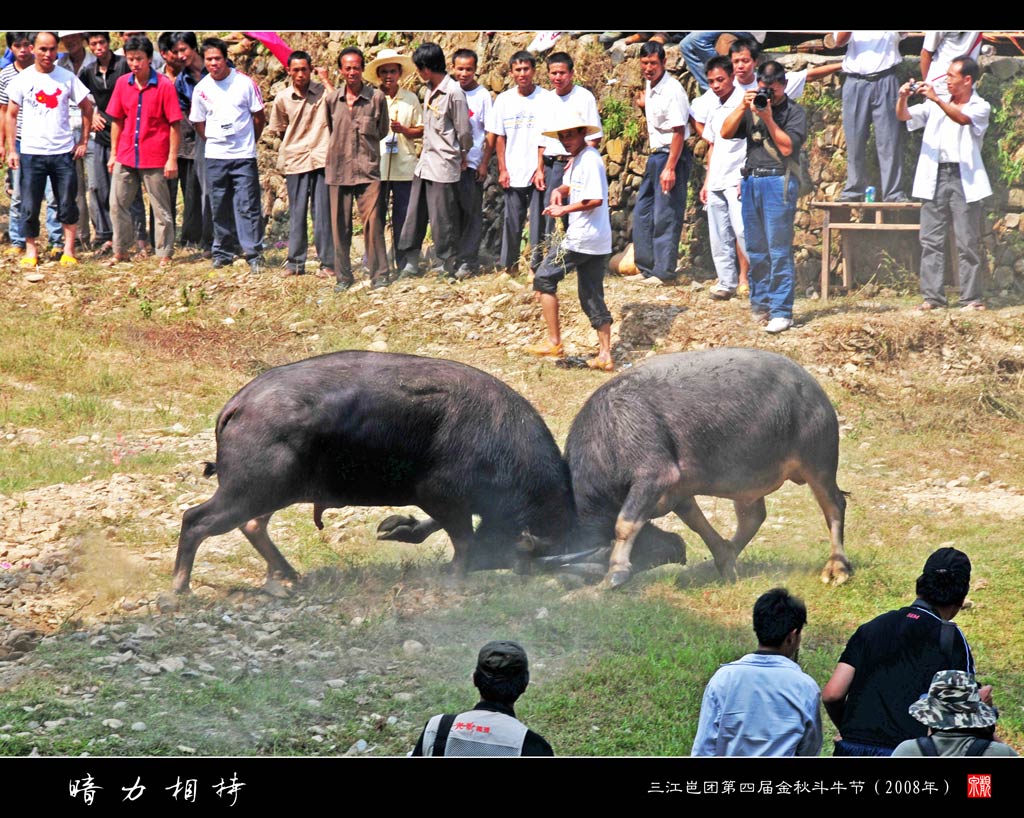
<point>299,117</point>
<point>47,149</point>
<point>951,180</point>
<point>447,138</point>
<point>720,192</point>
<point>516,123</point>
<point>552,157</point>
<point>775,128</point>
<point>227,111</point>
<point>471,182</point>
<point>661,199</point>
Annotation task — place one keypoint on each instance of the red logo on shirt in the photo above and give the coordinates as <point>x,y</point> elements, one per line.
<point>49,100</point>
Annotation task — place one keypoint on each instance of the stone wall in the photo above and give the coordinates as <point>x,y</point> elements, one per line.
<point>614,76</point>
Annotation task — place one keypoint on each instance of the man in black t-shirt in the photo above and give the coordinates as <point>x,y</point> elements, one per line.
<point>775,128</point>
<point>890,661</point>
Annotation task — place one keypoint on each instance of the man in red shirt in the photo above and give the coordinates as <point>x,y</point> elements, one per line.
<point>146,132</point>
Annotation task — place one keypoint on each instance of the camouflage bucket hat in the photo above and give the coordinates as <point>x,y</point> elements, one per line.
<point>953,702</point>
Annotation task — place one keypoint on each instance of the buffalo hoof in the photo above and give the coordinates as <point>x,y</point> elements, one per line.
<point>277,588</point>
<point>836,571</point>
<point>617,578</point>
<point>400,527</point>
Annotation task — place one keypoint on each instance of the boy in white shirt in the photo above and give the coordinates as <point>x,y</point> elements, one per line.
<point>587,243</point>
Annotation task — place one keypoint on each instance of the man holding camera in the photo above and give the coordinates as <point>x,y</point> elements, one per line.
<point>775,128</point>
<point>950,178</point>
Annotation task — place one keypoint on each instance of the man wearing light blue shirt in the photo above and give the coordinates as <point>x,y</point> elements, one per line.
<point>763,704</point>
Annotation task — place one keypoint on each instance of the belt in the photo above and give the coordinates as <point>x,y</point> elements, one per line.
<point>876,76</point>
<point>746,172</point>
<point>551,160</point>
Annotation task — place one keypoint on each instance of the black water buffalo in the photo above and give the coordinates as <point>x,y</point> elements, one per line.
<point>367,428</point>
<point>733,423</point>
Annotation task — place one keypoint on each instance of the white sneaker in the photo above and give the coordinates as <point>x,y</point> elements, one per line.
<point>543,41</point>
<point>720,293</point>
<point>777,325</point>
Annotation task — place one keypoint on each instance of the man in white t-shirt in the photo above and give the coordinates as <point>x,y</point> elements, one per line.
<point>470,192</point>
<point>587,243</point>
<point>227,110</point>
<point>552,158</point>
<point>725,158</point>
<point>516,123</point>
<point>47,148</point>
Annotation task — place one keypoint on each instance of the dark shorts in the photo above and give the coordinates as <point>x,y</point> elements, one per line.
<point>35,170</point>
<point>589,278</point>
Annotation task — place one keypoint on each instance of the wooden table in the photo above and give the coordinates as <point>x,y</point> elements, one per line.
<point>839,215</point>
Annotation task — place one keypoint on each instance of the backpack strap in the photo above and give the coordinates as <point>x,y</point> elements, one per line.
<point>978,747</point>
<point>444,727</point>
<point>947,638</point>
<point>927,746</point>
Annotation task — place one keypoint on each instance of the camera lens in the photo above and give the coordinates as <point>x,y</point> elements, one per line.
<point>761,99</point>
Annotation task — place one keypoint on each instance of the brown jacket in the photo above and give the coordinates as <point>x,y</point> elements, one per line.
<point>353,155</point>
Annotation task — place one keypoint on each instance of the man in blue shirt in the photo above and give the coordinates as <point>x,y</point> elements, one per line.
<point>763,704</point>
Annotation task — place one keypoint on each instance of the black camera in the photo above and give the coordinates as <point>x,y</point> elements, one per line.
<point>762,98</point>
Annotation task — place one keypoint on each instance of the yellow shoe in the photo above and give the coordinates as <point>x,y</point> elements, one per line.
<point>14,250</point>
<point>29,261</point>
<point>546,349</point>
<point>68,261</point>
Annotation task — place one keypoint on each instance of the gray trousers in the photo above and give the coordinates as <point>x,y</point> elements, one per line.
<point>725,229</point>
<point>520,201</point>
<point>309,191</point>
<point>470,195</point>
<point>866,101</point>
<point>936,213</point>
<point>436,199</point>
<point>124,189</point>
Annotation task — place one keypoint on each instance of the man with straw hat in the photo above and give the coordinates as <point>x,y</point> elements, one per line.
<point>959,723</point>
<point>400,148</point>
<point>587,243</point>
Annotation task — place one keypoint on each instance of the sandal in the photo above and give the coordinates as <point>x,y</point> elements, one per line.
<point>974,305</point>
<point>545,349</point>
<point>602,366</point>
<point>165,261</point>
<point>925,306</point>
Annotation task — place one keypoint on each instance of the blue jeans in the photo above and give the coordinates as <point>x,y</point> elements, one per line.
<point>36,169</point>
<point>856,748</point>
<point>16,228</point>
<point>698,47</point>
<point>234,186</point>
<point>658,217</point>
<point>768,224</point>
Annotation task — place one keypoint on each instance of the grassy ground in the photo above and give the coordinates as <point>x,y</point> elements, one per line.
<point>108,376</point>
